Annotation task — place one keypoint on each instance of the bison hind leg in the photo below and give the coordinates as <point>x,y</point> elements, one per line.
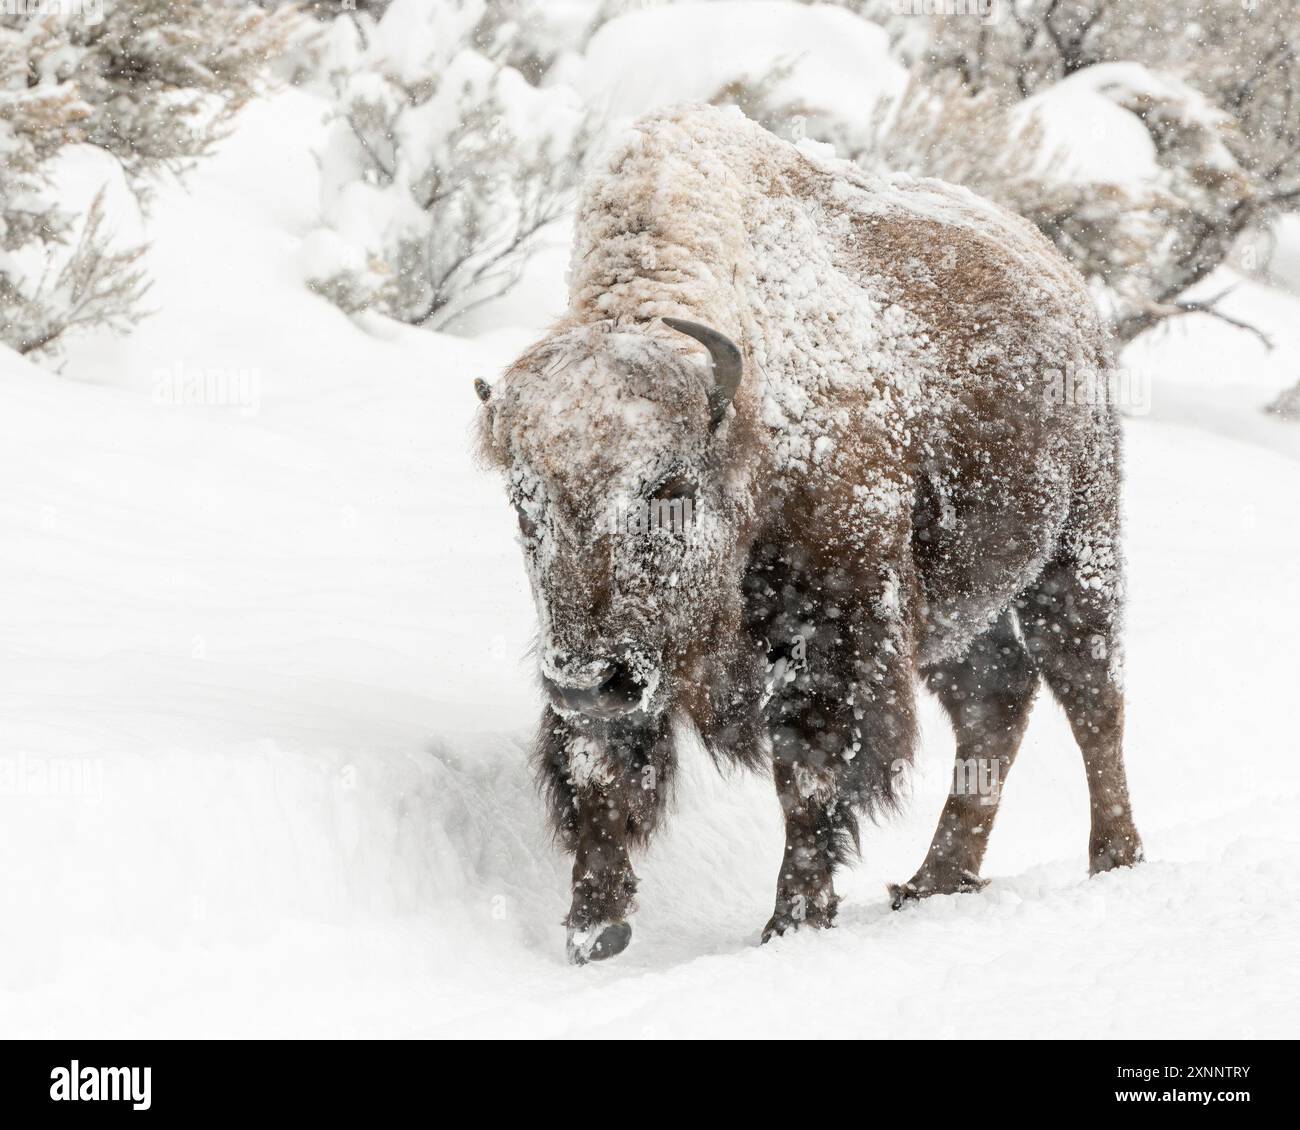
<point>1071,629</point>
<point>987,694</point>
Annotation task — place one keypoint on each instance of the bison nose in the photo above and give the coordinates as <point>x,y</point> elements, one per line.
<point>611,690</point>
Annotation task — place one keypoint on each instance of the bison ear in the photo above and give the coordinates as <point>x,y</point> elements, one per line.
<point>727,364</point>
<point>483,389</point>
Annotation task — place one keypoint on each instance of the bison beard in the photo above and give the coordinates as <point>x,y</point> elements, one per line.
<point>852,382</point>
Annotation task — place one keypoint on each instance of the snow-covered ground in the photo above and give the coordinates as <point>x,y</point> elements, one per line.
<point>264,706</point>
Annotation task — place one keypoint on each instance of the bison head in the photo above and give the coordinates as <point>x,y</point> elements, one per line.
<point>613,444</point>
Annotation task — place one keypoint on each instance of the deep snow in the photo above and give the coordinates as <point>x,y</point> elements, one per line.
<point>287,646</point>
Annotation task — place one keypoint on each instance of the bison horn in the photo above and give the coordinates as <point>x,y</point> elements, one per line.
<point>483,389</point>
<point>727,365</point>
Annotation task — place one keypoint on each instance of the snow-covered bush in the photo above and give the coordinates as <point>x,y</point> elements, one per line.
<point>53,278</point>
<point>442,166</point>
<point>1027,47</point>
<point>1222,117</point>
<point>161,78</point>
<point>528,35</point>
<point>1241,54</point>
<point>1245,57</point>
<point>1206,196</point>
<point>152,82</point>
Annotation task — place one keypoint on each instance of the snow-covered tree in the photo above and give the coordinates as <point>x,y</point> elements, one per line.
<point>443,165</point>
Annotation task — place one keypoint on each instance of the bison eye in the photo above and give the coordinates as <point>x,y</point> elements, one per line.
<point>673,487</point>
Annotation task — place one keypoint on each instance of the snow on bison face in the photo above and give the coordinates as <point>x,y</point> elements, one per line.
<point>608,441</point>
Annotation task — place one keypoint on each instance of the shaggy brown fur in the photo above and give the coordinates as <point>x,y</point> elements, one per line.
<point>899,490</point>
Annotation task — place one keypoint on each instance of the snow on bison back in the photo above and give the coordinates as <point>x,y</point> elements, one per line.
<point>803,436</point>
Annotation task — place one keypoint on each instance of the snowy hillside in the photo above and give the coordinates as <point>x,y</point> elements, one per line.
<point>265,701</point>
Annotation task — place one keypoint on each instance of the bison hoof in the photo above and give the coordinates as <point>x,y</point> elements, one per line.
<point>818,918</point>
<point>923,886</point>
<point>777,925</point>
<point>597,942</point>
<point>1121,851</point>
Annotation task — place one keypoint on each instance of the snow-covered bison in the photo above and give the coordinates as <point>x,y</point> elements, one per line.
<point>803,436</point>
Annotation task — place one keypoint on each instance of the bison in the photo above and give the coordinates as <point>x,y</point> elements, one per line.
<point>804,437</point>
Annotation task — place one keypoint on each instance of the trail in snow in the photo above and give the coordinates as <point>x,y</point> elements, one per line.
<point>291,645</point>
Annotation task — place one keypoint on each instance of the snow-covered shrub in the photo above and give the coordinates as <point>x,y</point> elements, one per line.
<point>53,278</point>
<point>928,130</point>
<point>161,79</point>
<point>1145,193</point>
<point>1208,197</point>
<point>165,77</point>
<point>442,166</point>
<point>155,83</point>
<point>1030,45</point>
<point>94,286</point>
<point>1224,121</point>
<point>1245,57</point>
<point>763,98</point>
<point>1241,54</point>
<point>529,35</point>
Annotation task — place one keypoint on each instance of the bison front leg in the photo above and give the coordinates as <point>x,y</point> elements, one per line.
<point>604,884</point>
<point>605,784</point>
<point>814,825</point>
<point>841,716</point>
